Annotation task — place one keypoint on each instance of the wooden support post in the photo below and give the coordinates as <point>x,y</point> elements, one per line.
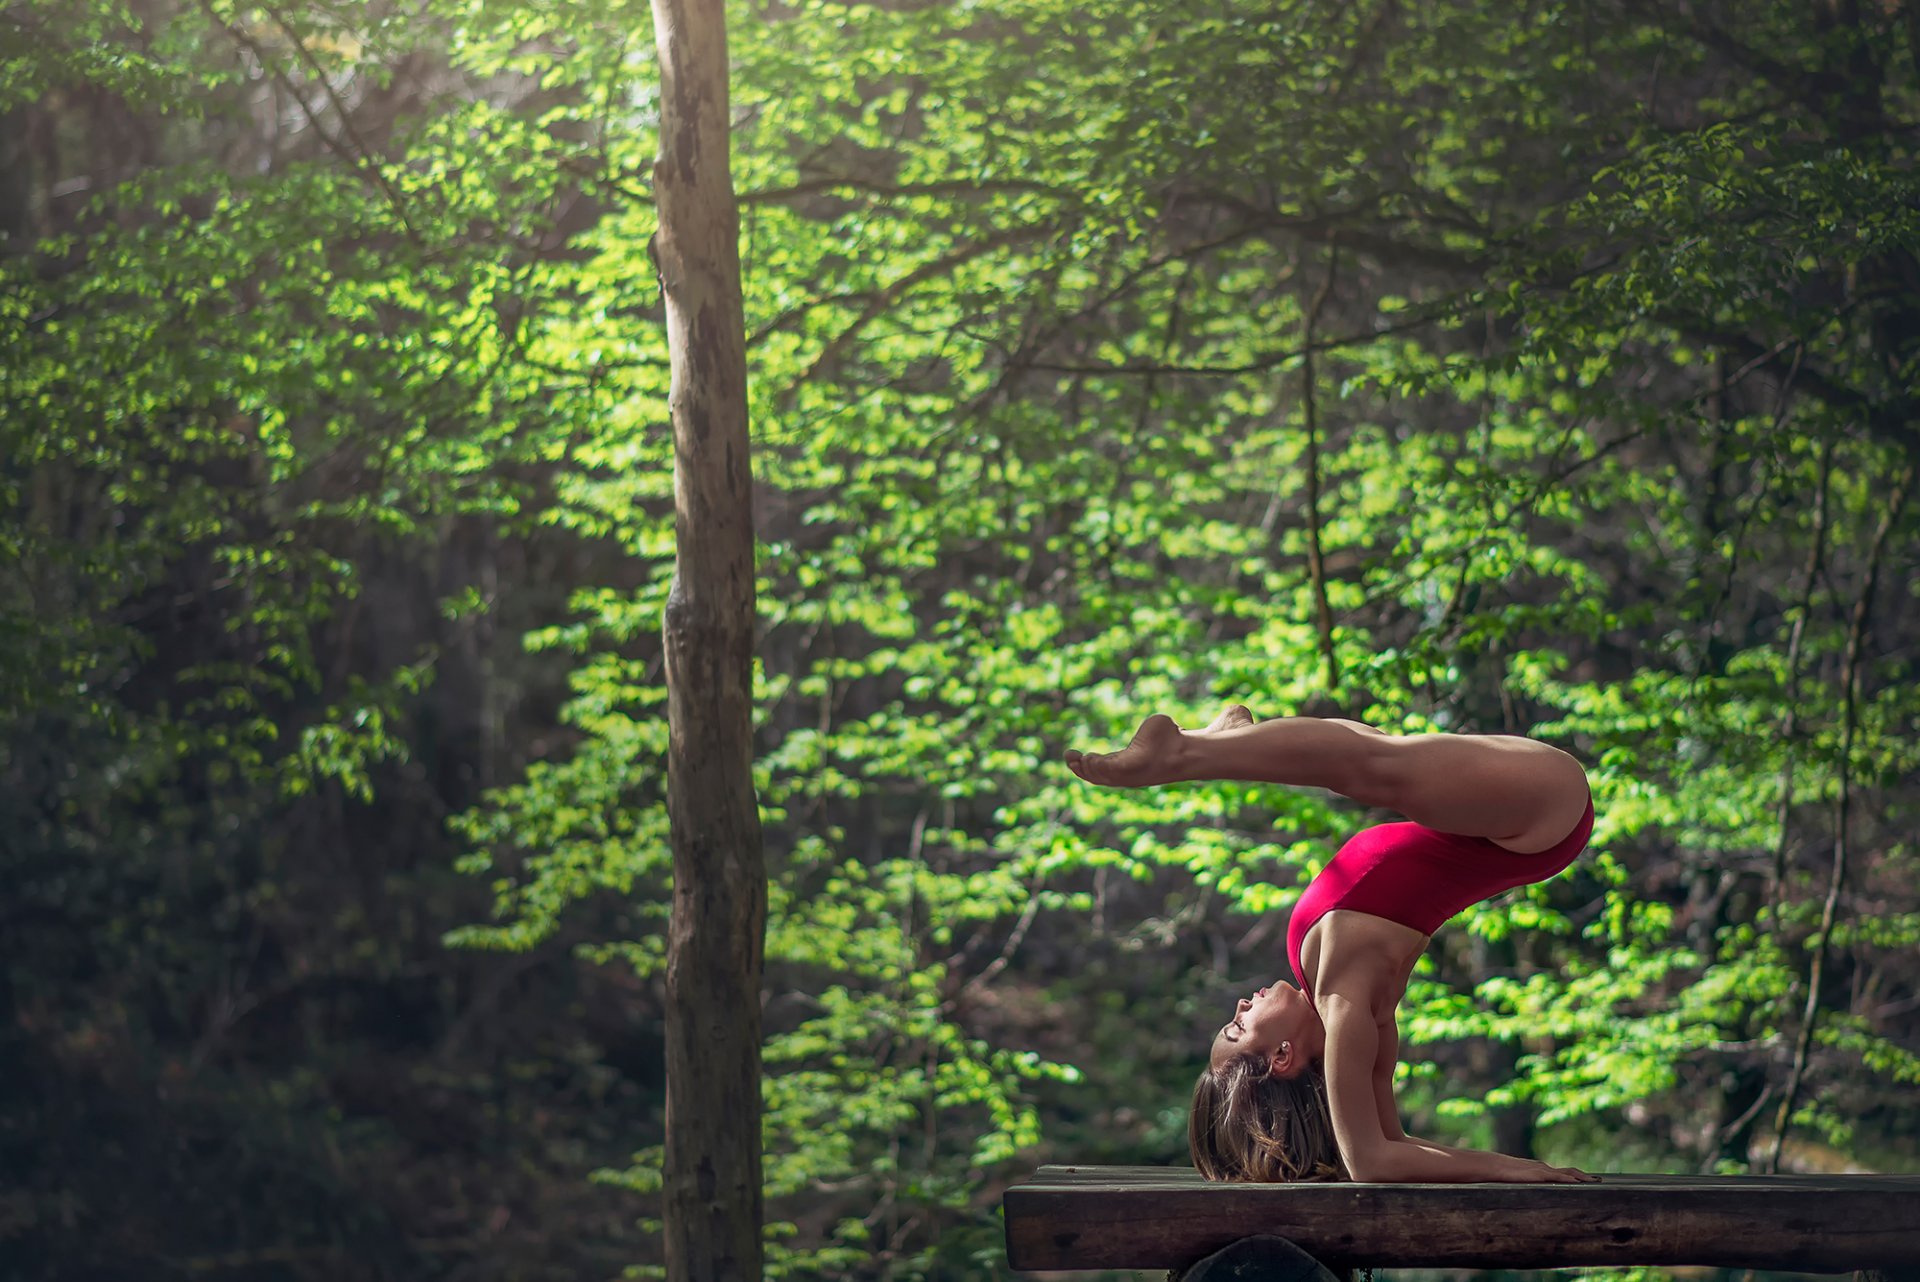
<point>1262,1257</point>
<point>1894,1274</point>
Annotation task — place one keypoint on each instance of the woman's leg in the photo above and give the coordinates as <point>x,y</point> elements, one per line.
<point>1520,793</point>
<point>1233,717</point>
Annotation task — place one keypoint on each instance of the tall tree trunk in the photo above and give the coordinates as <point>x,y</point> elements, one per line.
<point>715,939</point>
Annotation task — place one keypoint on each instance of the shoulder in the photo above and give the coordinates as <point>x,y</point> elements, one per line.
<point>1359,958</point>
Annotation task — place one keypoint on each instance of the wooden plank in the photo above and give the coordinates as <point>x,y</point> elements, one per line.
<point>1168,1217</point>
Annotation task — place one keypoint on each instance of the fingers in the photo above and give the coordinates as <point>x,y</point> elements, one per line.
<point>1541,1173</point>
<point>1572,1175</point>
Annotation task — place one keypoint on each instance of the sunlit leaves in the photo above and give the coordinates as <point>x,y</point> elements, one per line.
<point>1026,288</point>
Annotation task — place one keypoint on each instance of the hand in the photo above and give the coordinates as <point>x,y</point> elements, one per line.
<point>1532,1172</point>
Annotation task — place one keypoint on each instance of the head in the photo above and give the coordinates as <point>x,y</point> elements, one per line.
<point>1260,1107</point>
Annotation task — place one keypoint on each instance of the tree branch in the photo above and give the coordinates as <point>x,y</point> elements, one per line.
<point>362,160</point>
<point>953,187</point>
<point>1270,360</point>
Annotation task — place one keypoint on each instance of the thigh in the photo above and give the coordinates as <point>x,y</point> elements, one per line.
<point>1519,793</point>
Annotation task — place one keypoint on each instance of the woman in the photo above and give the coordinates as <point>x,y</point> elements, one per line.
<point>1299,1083</point>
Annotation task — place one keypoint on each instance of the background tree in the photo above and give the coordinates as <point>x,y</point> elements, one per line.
<point>716,933</point>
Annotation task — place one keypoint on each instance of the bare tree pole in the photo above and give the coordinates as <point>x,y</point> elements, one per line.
<point>715,940</point>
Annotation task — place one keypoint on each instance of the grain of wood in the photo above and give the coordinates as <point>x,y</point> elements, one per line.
<point>1168,1217</point>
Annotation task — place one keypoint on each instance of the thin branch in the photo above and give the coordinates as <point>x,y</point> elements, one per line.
<point>1734,1127</point>
<point>1324,229</point>
<point>1850,698</point>
<point>999,963</point>
<point>1316,563</point>
<point>953,187</point>
<point>366,152</point>
<point>1531,505</point>
<point>361,161</point>
<point>1069,321</point>
<point>1891,419</point>
<point>887,295</point>
<point>1791,726</point>
<point>878,299</point>
<point>1269,361</point>
<point>1802,84</point>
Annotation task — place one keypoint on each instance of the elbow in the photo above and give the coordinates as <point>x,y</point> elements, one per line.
<point>1377,1164</point>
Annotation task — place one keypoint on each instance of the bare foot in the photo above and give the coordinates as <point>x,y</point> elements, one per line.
<point>1235,717</point>
<point>1156,755</point>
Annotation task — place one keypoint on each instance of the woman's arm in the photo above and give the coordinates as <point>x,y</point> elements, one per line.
<point>1529,1170</point>
<point>1385,1059</point>
<point>1412,1161</point>
<point>1367,1125</point>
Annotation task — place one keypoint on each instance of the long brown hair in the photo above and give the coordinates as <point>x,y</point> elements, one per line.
<point>1251,1125</point>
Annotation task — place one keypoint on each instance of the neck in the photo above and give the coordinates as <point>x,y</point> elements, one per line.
<point>1315,1036</point>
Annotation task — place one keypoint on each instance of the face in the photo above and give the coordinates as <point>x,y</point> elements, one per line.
<point>1260,1023</point>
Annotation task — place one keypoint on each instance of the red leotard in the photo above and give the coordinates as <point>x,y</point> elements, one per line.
<point>1419,876</point>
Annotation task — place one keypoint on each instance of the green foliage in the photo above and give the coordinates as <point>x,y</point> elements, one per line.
<point>1612,385</point>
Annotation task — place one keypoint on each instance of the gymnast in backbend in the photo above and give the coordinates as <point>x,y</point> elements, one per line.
<point>1299,1082</point>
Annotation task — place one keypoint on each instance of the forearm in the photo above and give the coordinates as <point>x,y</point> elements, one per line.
<point>1415,1161</point>
<point>1447,1148</point>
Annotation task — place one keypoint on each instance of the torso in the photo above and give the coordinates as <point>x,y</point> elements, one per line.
<point>1364,958</point>
<point>1395,884</point>
<point>1360,926</point>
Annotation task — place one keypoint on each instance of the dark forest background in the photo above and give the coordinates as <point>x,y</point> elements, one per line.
<point>1549,368</point>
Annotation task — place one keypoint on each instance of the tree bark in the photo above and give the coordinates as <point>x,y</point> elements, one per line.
<point>712,1195</point>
